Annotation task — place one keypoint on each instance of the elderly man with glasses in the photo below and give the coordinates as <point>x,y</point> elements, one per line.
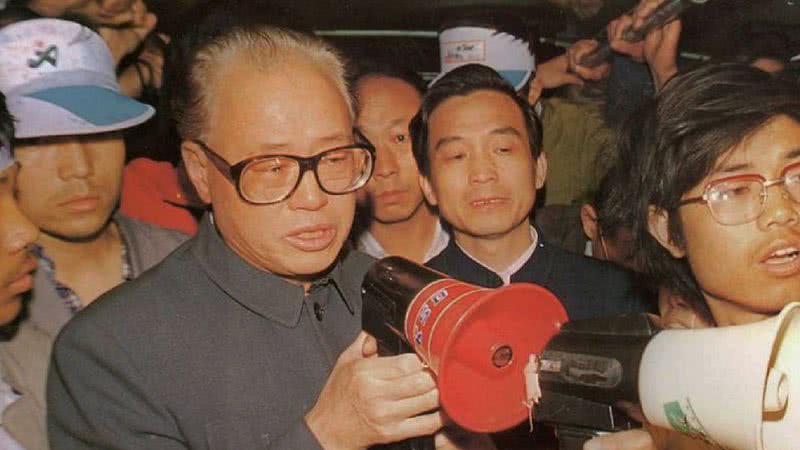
<point>249,335</point>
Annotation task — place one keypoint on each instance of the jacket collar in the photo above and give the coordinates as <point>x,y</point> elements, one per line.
<point>262,292</point>
<point>458,264</point>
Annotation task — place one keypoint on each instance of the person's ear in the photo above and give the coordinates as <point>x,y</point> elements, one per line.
<point>589,221</point>
<point>658,226</point>
<point>541,170</point>
<point>197,167</point>
<point>427,190</point>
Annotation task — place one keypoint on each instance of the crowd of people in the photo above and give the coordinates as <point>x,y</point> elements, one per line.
<point>215,302</point>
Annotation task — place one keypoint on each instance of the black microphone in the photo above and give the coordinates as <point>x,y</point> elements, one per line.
<point>666,11</point>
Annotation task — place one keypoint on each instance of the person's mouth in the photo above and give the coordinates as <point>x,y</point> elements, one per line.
<point>782,259</point>
<point>390,196</point>
<point>488,202</point>
<point>312,238</point>
<point>83,203</point>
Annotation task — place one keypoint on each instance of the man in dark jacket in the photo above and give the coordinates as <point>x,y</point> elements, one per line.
<point>478,146</point>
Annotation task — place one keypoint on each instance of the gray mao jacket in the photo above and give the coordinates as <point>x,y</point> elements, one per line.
<point>204,351</point>
<point>24,359</point>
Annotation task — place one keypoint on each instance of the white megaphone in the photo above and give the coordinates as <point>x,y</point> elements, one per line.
<point>737,387</point>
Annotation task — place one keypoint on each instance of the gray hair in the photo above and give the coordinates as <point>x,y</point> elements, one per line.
<point>265,47</point>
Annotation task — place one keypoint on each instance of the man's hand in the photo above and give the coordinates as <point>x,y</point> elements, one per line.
<point>125,39</point>
<point>624,440</point>
<point>566,69</point>
<point>117,12</point>
<point>97,12</point>
<point>659,48</point>
<point>371,400</point>
<point>616,30</point>
<point>148,69</point>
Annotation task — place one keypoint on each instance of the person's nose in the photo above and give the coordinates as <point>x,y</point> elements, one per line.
<point>74,161</point>
<point>308,195</point>
<point>19,231</point>
<point>779,210</point>
<point>385,162</point>
<point>482,168</point>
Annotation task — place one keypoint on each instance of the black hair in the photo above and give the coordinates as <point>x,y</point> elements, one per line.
<point>373,67</point>
<point>462,81</point>
<point>613,213</point>
<point>6,125</point>
<point>676,140</point>
<point>751,44</point>
<point>16,13</point>
<point>379,67</point>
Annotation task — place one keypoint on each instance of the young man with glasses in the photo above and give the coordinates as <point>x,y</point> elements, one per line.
<point>711,172</point>
<point>249,335</point>
<point>717,210</point>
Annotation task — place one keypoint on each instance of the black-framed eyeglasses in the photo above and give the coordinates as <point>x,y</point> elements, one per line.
<point>741,198</point>
<point>265,179</point>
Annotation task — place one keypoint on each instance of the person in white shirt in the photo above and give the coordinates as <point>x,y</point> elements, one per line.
<point>396,219</point>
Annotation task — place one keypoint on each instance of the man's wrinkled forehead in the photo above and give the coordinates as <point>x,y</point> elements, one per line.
<point>491,113</point>
<point>510,131</point>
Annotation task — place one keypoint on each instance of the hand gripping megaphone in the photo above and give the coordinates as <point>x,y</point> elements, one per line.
<point>737,387</point>
<point>475,340</point>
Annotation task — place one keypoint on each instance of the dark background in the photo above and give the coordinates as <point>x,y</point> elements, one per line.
<point>709,30</point>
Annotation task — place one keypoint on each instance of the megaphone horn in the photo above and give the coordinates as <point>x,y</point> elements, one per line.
<point>737,387</point>
<point>477,341</point>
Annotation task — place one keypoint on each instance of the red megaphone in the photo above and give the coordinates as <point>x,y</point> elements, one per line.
<point>477,341</point>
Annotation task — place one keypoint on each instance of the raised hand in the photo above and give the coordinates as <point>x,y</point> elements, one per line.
<point>125,39</point>
<point>659,49</point>
<point>566,69</point>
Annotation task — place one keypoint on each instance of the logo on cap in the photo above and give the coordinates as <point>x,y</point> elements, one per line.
<point>48,55</point>
<point>463,52</point>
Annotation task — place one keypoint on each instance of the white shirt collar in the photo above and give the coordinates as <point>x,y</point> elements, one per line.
<point>587,250</point>
<point>367,243</point>
<point>506,274</point>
